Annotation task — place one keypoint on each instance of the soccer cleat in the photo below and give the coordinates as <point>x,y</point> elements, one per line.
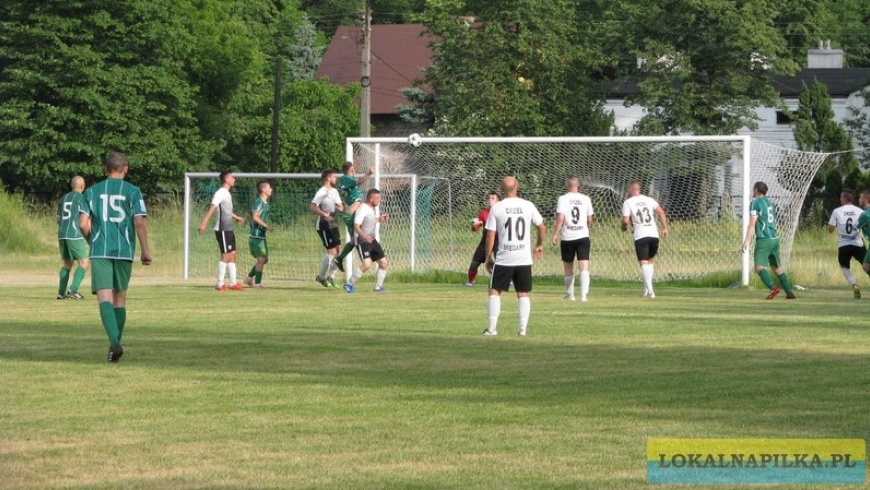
<point>856,291</point>
<point>61,296</point>
<point>221,287</point>
<point>322,281</point>
<point>568,297</point>
<point>583,298</point>
<point>380,289</point>
<point>74,295</point>
<point>521,334</point>
<point>257,286</point>
<point>338,264</point>
<point>349,288</point>
<point>115,353</point>
<point>773,292</point>
<point>249,280</point>
<point>469,284</point>
<point>236,287</point>
<point>790,296</point>
<point>489,333</point>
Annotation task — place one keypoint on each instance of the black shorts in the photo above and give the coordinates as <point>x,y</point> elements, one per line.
<point>502,275</point>
<point>575,248</point>
<point>371,250</point>
<point>848,252</point>
<point>330,237</point>
<point>226,241</point>
<point>646,248</point>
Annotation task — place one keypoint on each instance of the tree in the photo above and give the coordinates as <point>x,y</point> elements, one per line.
<point>522,68</point>
<point>705,65</point>
<point>329,14</point>
<point>858,125</point>
<point>815,130</point>
<point>79,79</point>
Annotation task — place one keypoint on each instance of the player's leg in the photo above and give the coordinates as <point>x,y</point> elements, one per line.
<point>642,251</point>
<point>79,252</point>
<point>347,218</point>
<point>222,264</point>
<point>499,280</point>
<point>858,254</point>
<point>230,259</point>
<point>844,258</point>
<point>781,274</point>
<point>380,258</point>
<point>583,251</point>
<point>477,259</point>
<point>365,254</point>
<point>568,250</point>
<point>760,258</point>
<point>523,286</point>
<point>103,283</point>
<point>63,273</point>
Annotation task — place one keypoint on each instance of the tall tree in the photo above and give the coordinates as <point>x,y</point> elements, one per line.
<point>517,68</point>
<point>705,64</point>
<point>81,78</point>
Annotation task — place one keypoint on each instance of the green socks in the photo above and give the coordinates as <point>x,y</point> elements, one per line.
<point>64,280</point>
<point>78,277</point>
<point>348,248</point>
<point>765,278</point>
<point>786,284</point>
<point>110,323</point>
<point>121,319</point>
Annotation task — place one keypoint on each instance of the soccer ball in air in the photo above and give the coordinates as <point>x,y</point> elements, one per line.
<point>415,140</point>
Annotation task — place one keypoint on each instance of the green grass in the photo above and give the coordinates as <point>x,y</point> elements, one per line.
<point>301,387</point>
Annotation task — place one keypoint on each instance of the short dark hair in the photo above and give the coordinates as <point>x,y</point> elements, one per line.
<point>223,175</point>
<point>116,161</point>
<point>326,173</point>
<point>371,193</point>
<point>849,194</point>
<point>760,187</point>
<point>493,193</point>
<point>262,185</point>
<point>346,166</point>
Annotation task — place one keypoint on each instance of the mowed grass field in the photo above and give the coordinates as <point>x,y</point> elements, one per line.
<point>300,387</point>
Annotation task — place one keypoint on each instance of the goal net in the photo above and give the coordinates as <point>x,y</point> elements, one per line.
<point>704,184</point>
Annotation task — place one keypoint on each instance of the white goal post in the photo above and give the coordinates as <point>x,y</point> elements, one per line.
<point>703,182</point>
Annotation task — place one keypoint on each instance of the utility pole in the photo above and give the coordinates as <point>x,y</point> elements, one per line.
<point>365,106</point>
<point>276,113</point>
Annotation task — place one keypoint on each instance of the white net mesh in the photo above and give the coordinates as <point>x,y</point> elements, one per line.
<point>700,183</point>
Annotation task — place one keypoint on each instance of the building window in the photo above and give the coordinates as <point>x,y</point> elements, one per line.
<point>782,118</point>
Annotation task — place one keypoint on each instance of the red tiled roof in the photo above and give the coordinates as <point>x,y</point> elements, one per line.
<point>399,53</point>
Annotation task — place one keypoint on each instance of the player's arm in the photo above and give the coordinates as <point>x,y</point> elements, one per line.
<point>142,235</point>
<point>560,220</point>
<point>750,232</point>
<point>315,208</point>
<point>357,227</point>
<point>239,219</point>
<point>663,219</point>
<point>255,217</point>
<point>362,180</point>
<point>85,225</point>
<point>539,244</point>
<point>625,221</point>
<point>208,214</point>
<point>490,245</point>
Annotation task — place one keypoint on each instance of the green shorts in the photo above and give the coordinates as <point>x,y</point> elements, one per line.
<point>111,274</point>
<point>72,249</point>
<point>767,252</point>
<point>258,247</point>
<point>348,221</point>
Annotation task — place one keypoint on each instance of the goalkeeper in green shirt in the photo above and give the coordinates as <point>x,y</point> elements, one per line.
<point>762,226</point>
<point>352,195</point>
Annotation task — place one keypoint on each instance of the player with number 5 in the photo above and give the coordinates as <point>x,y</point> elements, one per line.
<point>510,222</point>
<point>640,211</point>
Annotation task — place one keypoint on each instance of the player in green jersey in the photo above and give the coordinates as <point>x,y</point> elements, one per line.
<point>762,225</point>
<point>113,217</point>
<point>352,195</point>
<point>864,224</point>
<point>71,242</point>
<point>257,235</point>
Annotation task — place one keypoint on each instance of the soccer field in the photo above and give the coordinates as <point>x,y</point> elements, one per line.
<point>301,387</point>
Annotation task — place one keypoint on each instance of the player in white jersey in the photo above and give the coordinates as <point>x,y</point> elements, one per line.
<point>325,204</point>
<point>222,202</point>
<point>850,245</point>
<point>640,211</point>
<point>365,224</point>
<point>573,218</point>
<point>510,222</point>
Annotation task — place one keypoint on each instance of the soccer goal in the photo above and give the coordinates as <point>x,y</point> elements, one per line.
<point>295,249</point>
<point>704,184</point>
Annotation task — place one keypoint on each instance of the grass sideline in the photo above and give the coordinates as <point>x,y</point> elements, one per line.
<point>298,386</point>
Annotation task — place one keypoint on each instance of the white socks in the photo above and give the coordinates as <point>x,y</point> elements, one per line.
<point>524,307</point>
<point>584,284</point>
<point>647,273</point>
<point>848,275</point>
<point>379,277</point>
<point>494,310</point>
<point>222,272</point>
<point>231,271</point>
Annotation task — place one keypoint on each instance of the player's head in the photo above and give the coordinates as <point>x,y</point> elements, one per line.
<point>634,187</point>
<point>116,163</point>
<point>347,168</point>
<point>760,188</point>
<point>491,198</point>
<point>510,186</point>
<point>373,197</point>
<point>572,183</point>
<point>77,183</point>
<point>864,199</point>
<point>847,197</point>
<point>264,187</point>
<point>227,178</point>
<point>328,175</point>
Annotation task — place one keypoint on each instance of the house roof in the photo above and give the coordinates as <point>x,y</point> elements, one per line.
<point>841,82</point>
<point>399,54</point>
